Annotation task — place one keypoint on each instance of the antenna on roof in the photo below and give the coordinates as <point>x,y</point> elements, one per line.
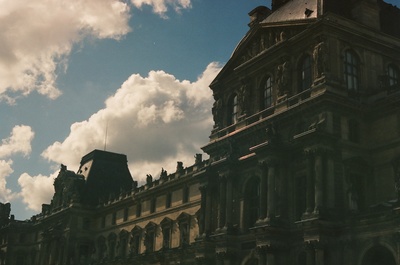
<point>105,137</point>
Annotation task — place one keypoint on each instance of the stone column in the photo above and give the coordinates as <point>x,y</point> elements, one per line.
<point>201,219</point>
<point>271,191</point>
<point>228,202</point>
<point>262,255</point>
<point>319,253</point>
<point>310,183</point>
<point>318,167</point>
<point>222,202</point>
<point>270,256</point>
<point>207,212</point>
<point>310,254</point>
<point>263,190</point>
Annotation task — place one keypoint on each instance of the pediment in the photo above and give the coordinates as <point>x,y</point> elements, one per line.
<point>262,41</point>
<point>257,42</point>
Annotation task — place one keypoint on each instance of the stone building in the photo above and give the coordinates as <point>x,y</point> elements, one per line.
<point>303,168</point>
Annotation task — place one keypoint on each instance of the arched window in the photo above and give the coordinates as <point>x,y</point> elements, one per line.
<point>266,92</point>
<point>351,71</point>
<point>378,255</point>
<point>393,76</point>
<point>123,243</point>
<point>166,227</point>
<point>184,229</point>
<point>134,241</point>
<point>305,73</point>
<point>233,110</point>
<point>150,237</point>
<point>252,199</point>
<point>112,240</point>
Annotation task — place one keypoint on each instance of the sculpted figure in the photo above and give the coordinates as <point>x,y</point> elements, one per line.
<point>164,174</point>
<point>216,111</point>
<point>149,179</point>
<point>179,166</point>
<point>283,78</point>
<point>243,97</point>
<point>320,57</point>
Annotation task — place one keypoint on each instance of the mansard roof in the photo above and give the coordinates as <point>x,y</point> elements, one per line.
<point>294,10</point>
<point>106,174</point>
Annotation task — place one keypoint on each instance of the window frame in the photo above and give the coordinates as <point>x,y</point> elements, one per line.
<point>266,89</point>
<point>233,109</point>
<point>393,74</point>
<point>305,73</point>
<point>351,64</point>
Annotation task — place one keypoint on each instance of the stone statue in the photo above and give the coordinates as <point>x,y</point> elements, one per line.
<point>198,159</point>
<point>179,166</point>
<point>244,97</point>
<point>134,185</point>
<point>283,78</point>
<point>320,57</point>
<point>216,111</point>
<point>149,179</point>
<point>163,174</point>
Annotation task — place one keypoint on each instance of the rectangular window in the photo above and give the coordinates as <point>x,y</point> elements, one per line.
<point>126,214</point>
<point>153,205</point>
<point>114,218</point>
<point>185,195</point>
<point>168,200</point>
<point>138,209</point>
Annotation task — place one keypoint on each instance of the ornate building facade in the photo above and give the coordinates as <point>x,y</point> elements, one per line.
<point>303,168</point>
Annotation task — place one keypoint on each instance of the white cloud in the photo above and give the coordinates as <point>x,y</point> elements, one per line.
<point>36,190</point>
<point>154,120</point>
<point>37,36</point>
<point>161,6</point>
<point>5,170</point>
<point>18,142</point>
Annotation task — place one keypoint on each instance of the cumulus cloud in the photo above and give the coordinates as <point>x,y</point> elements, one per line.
<point>5,170</point>
<point>155,120</point>
<point>36,37</point>
<point>161,6</point>
<point>19,142</point>
<point>36,190</point>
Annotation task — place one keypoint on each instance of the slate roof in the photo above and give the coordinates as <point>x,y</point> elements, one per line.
<point>294,10</point>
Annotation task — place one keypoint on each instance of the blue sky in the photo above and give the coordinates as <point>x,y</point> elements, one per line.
<point>141,68</point>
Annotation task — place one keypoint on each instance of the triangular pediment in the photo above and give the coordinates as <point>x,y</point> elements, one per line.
<point>257,42</point>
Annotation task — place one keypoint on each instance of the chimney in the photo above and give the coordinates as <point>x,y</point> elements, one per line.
<point>258,14</point>
<point>278,3</point>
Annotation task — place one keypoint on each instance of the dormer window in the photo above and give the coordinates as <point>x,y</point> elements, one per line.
<point>351,71</point>
<point>266,92</point>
